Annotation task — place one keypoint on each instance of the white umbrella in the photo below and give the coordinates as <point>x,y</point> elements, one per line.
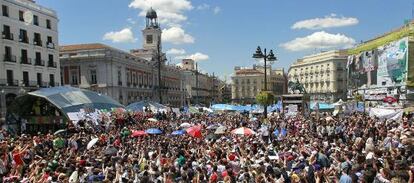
<point>92,143</point>
<point>243,131</point>
<point>74,177</point>
<point>152,119</point>
<point>185,125</point>
<point>221,130</point>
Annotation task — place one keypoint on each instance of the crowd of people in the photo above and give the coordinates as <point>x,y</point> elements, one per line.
<point>353,148</point>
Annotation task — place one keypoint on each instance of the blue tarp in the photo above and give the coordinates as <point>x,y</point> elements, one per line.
<point>70,99</point>
<point>322,106</point>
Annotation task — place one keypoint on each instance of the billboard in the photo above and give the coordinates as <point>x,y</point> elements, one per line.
<point>392,63</point>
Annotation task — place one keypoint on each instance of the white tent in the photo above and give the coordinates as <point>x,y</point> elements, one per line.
<point>339,103</point>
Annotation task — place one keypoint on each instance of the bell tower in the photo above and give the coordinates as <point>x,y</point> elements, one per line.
<point>152,32</point>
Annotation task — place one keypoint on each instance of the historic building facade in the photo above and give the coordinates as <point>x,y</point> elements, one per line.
<point>125,76</point>
<point>28,49</point>
<point>323,75</point>
<point>248,82</point>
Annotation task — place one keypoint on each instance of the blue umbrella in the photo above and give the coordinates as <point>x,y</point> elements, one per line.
<point>284,132</point>
<point>178,132</point>
<point>276,132</point>
<point>153,131</point>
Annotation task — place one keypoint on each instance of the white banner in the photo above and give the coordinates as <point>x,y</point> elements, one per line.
<point>393,114</point>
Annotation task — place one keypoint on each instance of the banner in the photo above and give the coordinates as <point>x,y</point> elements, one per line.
<point>392,63</point>
<point>393,114</point>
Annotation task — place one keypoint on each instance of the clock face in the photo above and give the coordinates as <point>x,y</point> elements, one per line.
<point>28,17</point>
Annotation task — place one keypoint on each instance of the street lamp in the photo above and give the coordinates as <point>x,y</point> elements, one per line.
<point>258,55</point>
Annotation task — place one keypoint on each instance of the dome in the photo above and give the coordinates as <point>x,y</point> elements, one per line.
<point>151,13</point>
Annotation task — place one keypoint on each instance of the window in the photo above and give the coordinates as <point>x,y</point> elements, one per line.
<point>6,32</point>
<point>93,77</point>
<point>119,78</point>
<point>39,79</point>
<point>51,80</point>
<point>49,39</point>
<point>149,39</point>
<point>23,58</point>
<point>10,79</point>
<point>51,62</point>
<point>38,59</point>
<point>37,39</point>
<point>74,77</point>
<point>26,78</point>
<point>35,20</point>
<point>21,17</point>
<point>48,24</point>
<point>5,10</point>
<point>23,36</point>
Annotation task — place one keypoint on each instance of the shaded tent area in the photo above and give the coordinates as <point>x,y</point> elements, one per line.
<point>141,105</point>
<point>46,109</point>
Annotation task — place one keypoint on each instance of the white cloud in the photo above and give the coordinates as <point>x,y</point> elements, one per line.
<point>169,12</point>
<point>216,10</point>
<point>131,21</point>
<point>203,7</point>
<point>325,22</point>
<point>174,51</point>
<point>320,39</point>
<point>123,36</point>
<point>176,35</point>
<point>196,57</point>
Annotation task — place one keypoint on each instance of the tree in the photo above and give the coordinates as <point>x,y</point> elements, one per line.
<point>265,98</point>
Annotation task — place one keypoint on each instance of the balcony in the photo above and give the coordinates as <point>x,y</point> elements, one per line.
<point>39,62</point>
<point>9,58</point>
<point>9,82</point>
<point>53,84</point>
<point>23,39</point>
<point>37,42</point>
<point>7,35</point>
<point>51,64</point>
<point>25,60</point>
<point>42,84</point>
<point>50,45</point>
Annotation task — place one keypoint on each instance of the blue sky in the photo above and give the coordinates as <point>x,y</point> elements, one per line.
<point>222,34</point>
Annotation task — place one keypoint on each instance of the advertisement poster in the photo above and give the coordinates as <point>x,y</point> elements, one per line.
<point>392,63</point>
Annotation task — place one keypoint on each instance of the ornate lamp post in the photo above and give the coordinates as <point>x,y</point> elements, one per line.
<point>259,55</point>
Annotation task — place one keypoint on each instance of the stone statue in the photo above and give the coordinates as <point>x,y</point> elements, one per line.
<point>296,86</point>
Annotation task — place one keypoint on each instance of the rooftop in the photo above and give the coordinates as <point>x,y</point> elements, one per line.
<point>78,47</point>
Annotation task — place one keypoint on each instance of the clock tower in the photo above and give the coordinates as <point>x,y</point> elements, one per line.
<point>152,32</point>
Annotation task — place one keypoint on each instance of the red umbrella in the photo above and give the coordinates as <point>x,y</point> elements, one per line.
<point>194,131</point>
<point>138,133</point>
<point>243,131</point>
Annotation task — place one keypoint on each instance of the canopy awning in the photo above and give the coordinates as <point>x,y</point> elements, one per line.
<point>70,99</point>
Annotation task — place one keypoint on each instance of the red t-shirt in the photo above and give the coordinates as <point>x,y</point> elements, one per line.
<point>17,157</point>
<point>213,177</point>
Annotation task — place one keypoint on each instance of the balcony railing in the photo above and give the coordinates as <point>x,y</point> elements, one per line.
<point>23,39</point>
<point>9,82</point>
<point>39,62</point>
<point>25,60</point>
<point>37,42</point>
<point>9,58</point>
<point>51,64</point>
<point>7,35</point>
<point>50,45</point>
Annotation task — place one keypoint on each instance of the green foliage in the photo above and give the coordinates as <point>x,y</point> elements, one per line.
<point>358,98</point>
<point>265,98</point>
